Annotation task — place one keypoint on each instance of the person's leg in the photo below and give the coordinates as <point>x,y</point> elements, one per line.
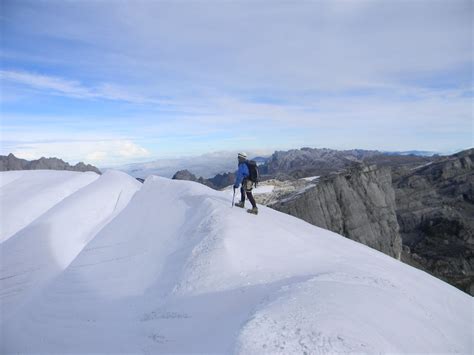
<point>251,199</point>
<point>242,194</point>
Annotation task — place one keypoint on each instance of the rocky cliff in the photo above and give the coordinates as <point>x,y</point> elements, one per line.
<point>221,181</point>
<point>187,175</point>
<point>359,204</point>
<point>218,182</point>
<point>423,214</point>
<point>435,209</point>
<point>10,162</point>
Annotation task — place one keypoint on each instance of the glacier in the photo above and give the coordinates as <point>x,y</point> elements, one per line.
<point>104,264</point>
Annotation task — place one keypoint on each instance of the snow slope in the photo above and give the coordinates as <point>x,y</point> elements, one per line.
<point>178,270</point>
<point>26,194</point>
<point>47,245</point>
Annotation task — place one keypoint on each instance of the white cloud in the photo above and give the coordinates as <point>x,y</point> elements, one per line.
<point>242,44</point>
<point>68,87</point>
<point>131,150</point>
<point>95,152</point>
<point>74,88</point>
<point>235,122</point>
<point>96,156</point>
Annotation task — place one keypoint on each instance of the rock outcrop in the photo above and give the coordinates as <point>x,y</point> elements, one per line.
<point>218,182</point>
<point>221,181</point>
<point>435,209</point>
<point>184,175</point>
<point>359,204</point>
<point>187,175</point>
<point>10,162</point>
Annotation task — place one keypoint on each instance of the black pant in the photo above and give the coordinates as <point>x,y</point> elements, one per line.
<point>249,195</point>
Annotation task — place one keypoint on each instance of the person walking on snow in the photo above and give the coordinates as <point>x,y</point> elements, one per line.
<point>242,177</point>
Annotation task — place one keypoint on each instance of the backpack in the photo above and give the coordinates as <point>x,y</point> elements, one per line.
<point>253,171</point>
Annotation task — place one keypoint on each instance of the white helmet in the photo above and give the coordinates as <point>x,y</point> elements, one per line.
<point>242,155</point>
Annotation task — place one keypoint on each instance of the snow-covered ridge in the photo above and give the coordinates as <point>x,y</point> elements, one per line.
<point>25,195</point>
<point>48,244</point>
<point>169,266</point>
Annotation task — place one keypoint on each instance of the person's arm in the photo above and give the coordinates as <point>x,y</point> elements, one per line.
<point>241,174</point>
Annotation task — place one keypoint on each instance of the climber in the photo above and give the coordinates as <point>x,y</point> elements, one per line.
<point>247,175</point>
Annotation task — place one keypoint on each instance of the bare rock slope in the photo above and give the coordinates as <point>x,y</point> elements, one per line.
<point>435,209</point>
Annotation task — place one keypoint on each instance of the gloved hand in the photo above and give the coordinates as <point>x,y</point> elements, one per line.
<point>236,187</point>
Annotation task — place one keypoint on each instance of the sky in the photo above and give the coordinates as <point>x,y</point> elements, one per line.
<point>115,82</point>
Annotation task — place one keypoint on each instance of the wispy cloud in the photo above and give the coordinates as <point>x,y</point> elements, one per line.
<point>75,89</point>
<point>55,84</point>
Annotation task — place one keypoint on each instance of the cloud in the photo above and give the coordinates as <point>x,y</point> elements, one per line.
<point>182,46</point>
<point>131,150</point>
<point>414,117</point>
<point>97,156</point>
<point>73,88</point>
<point>368,74</point>
<point>68,87</point>
<point>98,152</point>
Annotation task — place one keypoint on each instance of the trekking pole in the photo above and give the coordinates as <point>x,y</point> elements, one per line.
<point>233,197</point>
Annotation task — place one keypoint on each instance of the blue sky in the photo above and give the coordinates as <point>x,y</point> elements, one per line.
<point>112,82</point>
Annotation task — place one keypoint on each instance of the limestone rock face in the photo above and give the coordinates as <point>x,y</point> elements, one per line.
<point>184,175</point>
<point>359,204</point>
<point>218,182</point>
<point>221,181</point>
<point>189,176</point>
<point>10,162</point>
<point>435,208</point>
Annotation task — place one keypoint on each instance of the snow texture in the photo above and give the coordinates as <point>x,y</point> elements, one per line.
<point>25,195</point>
<point>170,267</point>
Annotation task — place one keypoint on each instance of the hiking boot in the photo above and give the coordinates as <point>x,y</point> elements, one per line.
<point>240,204</point>
<point>253,210</point>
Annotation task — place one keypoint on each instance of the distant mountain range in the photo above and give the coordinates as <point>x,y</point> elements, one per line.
<point>294,162</point>
<point>11,162</point>
<point>304,162</point>
<point>298,163</point>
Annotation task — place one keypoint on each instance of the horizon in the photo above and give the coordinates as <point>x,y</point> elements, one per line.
<point>115,83</point>
<point>220,155</point>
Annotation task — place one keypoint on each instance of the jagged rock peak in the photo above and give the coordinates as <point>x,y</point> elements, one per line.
<point>11,162</point>
<point>184,175</point>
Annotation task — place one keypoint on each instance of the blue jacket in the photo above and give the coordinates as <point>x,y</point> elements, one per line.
<point>241,174</point>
